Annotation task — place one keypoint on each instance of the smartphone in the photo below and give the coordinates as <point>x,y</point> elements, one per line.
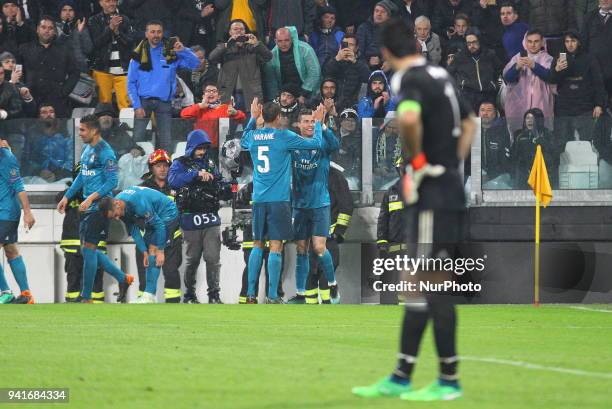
<point>563,56</point>
<point>172,41</point>
<point>345,44</point>
<point>491,2</point>
<point>18,67</point>
<point>242,39</point>
<point>523,53</point>
<point>233,103</point>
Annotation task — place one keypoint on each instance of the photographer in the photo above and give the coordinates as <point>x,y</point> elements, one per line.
<point>198,183</point>
<point>241,58</point>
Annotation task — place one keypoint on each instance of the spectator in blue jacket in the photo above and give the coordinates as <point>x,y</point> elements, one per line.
<point>327,37</point>
<point>152,80</point>
<point>377,101</point>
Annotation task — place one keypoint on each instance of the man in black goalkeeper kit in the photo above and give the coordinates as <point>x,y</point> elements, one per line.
<point>437,130</point>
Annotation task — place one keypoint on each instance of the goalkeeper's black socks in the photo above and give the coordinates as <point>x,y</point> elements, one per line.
<point>413,327</point>
<point>444,318</point>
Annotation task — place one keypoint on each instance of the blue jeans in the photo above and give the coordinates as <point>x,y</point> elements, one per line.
<point>163,118</point>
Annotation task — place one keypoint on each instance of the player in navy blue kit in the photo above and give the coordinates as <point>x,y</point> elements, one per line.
<point>437,130</point>
<point>159,215</point>
<point>12,194</point>
<point>97,179</point>
<point>311,207</point>
<point>270,150</point>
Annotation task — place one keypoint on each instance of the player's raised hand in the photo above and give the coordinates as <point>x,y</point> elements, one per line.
<point>255,108</point>
<point>319,113</point>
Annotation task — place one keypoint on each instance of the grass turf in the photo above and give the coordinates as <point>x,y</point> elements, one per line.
<point>294,356</point>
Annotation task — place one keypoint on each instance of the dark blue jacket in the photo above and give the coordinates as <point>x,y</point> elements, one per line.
<point>326,46</point>
<point>180,174</point>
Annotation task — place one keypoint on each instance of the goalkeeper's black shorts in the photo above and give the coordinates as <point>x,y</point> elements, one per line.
<point>435,233</point>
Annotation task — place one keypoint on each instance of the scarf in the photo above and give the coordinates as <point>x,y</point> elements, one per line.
<point>142,54</point>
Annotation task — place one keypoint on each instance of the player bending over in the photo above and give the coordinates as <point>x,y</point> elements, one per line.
<point>160,217</point>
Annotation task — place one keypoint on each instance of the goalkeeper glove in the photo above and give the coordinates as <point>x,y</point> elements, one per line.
<point>416,171</point>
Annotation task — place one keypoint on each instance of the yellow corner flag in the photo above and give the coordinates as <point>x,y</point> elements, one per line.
<point>538,179</point>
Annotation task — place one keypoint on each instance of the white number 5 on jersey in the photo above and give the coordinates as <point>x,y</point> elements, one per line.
<point>262,156</point>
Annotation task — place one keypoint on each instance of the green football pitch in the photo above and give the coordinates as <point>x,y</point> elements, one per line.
<point>298,356</point>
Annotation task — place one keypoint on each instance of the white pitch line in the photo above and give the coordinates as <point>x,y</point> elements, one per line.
<point>590,309</point>
<point>527,365</point>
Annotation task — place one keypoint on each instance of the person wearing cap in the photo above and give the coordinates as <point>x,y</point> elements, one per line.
<point>581,96</point>
<point>113,131</point>
<point>377,102</point>
<point>290,106</point>
<point>476,70</point>
<point>348,70</point>
<point>157,178</point>
<point>15,27</point>
<point>74,34</point>
<point>326,37</point>
<point>201,225</point>
<point>348,155</point>
<point>367,33</point>
<point>293,62</point>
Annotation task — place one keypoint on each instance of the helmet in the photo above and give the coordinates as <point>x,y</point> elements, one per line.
<point>159,155</point>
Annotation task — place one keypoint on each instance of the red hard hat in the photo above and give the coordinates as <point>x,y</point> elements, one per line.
<point>159,155</point>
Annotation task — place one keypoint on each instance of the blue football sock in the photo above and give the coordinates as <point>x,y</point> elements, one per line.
<point>399,380</point>
<point>152,276</point>
<point>327,263</point>
<point>274,271</point>
<point>19,272</point>
<point>90,266</point>
<point>3,284</point>
<point>255,261</point>
<point>107,265</point>
<point>302,267</point>
<point>444,382</point>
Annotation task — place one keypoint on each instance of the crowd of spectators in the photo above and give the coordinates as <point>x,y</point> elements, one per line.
<point>202,60</point>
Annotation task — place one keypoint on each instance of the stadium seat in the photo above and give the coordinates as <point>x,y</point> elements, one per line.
<point>147,147</point>
<point>578,168</point>
<point>126,115</point>
<point>80,112</point>
<point>179,150</point>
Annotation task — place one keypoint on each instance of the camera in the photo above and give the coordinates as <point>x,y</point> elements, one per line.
<point>241,218</point>
<point>203,197</point>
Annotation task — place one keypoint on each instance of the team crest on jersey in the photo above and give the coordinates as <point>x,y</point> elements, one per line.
<point>13,172</point>
<point>312,152</point>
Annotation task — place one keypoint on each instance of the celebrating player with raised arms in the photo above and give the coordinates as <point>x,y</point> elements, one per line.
<point>270,150</point>
<point>311,207</point>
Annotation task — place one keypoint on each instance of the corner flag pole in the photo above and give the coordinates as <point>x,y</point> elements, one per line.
<point>538,180</point>
<point>536,281</point>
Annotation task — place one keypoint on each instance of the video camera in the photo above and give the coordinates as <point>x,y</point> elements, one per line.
<point>241,218</point>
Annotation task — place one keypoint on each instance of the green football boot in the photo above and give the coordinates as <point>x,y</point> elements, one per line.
<point>433,392</point>
<point>383,388</point>
<point>6,297</point>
